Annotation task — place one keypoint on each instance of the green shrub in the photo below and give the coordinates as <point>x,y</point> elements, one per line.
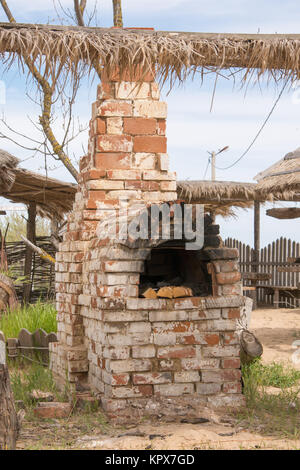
<point>31,317</point>
<point>270,375</point>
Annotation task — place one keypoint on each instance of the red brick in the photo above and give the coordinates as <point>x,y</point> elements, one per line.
<point>120,379</point>
<point>139,126</point>
<point>228,278</point>
<point>144,185</point>
<point>100,127</point>
<point>132,75</point>
<point>106,90</point>
<point>212,339</point>
<point>161,127</point>
<point>114,143</point>
<point>115,108</point>
<point>231,363</point>
<point>113,160</point>
<point>232,387</point>
<point>95,174</point>
<point>84,161</point>
<point>176,352</point>
<point>93,197</point>
<point>150,144</point>
<point>53,410</point>
<point>231,313</point>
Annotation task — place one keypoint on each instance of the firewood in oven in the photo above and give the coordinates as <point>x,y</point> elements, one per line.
<point>149,293</point>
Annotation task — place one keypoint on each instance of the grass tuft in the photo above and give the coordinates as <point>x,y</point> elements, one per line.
<point>31,317</point>
<point>32,377</point>
<point>271,413</point>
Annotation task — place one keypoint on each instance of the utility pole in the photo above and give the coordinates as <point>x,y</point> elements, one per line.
<point>213,155</point>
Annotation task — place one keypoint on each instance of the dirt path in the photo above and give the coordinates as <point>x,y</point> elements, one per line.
<point>277,329</point>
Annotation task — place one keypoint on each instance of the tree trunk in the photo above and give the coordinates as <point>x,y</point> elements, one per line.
<point>118,17</point>
<point>8,417</point>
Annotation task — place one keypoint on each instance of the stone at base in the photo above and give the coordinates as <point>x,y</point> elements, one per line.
<point>170,409</point>
<point>52,410</point>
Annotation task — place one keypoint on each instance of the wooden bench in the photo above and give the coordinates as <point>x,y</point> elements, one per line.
<point>276,290</point>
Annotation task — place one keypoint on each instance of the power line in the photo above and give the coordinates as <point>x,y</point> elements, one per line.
<point>258,133</point>
<point>208,162</point>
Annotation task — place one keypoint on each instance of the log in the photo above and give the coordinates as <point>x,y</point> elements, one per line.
<point>165,293</point>
<point>182,292</point>
<point>150,294</point>
<point>251,347</point>
<point>173,292</point>
<point>8,296</point>
<point>9,422</point>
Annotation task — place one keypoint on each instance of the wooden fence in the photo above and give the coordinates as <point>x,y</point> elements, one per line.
<point>270,258</point>
<point>42,273</point>
<point>31,346</point>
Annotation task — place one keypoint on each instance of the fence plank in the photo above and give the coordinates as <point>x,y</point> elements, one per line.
<point>271,257</point>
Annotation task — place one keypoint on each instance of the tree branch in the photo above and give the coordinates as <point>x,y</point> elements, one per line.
<point>45,118</point>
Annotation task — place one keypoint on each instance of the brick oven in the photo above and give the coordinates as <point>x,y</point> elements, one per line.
<point>142,356</point>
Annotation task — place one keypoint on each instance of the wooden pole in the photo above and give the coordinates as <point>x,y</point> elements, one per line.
<point>9,424</point>
<point>31,227</point>
<point>256,245</point>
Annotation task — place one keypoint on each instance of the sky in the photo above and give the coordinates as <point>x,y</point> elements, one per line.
<point>193,128</point>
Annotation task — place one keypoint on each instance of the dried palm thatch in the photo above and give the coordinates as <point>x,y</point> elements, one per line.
<point>7,164</point>
<point>52,197</point>
<point>281,180</point>
<point>220,196</point>
<point>176,55</point>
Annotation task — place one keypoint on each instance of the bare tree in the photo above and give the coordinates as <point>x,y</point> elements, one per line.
<point>51,89</point>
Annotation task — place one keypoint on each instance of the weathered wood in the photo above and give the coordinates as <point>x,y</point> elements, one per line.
<point>42,253</point>
<point>8,296</point>
<point>274,260</point>
<point>251,347</point>
<point>31,222</point>
<point>9,424</point>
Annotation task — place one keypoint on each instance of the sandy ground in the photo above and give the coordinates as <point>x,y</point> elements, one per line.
<point>276,329</point>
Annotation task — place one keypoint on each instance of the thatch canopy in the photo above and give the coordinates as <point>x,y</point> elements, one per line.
<point>219,196</point>
<point>282,180</point>
<point>52,197</point>
<point>175,54</point>
<point>7,164</point>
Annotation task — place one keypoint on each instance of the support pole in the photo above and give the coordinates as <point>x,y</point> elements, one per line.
<point>31,229</point>
<point>9,425</point>
<point>256,246</point>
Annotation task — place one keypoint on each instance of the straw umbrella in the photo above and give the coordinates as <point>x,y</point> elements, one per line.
<point>281,181</point>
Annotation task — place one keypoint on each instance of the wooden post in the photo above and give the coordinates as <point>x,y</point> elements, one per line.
<point>256,246</point>
<point>31,223</point>
<point>9,424</point>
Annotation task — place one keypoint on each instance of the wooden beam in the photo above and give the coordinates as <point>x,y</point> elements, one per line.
<point>150,31</point>
<point>31,228</point>
<point>284,212</point>
<point>256,245</point>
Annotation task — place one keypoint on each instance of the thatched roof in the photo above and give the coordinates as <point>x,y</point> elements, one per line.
<point>53,197</point>
<point>220,196</point>
<point>7,164</point>
<point>282,180</point>
<point>175,54</point>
